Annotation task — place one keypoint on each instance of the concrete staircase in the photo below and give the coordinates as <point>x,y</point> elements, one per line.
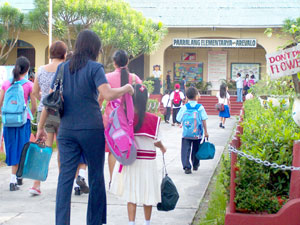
<point>209,103</point>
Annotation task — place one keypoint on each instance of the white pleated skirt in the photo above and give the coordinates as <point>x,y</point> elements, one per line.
<point>137,183</point>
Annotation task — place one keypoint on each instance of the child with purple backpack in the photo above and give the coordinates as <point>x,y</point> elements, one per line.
<point>138,183</point>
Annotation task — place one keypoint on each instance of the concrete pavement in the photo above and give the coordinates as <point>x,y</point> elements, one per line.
<point>19,208</point>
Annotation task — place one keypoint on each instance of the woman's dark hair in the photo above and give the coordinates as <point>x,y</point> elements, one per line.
<point>58,50</point>
<point>87,47</point>
<point>167,92</point>
<point>140,99</point>
<point>69,55</point>
<point>120,58</point>
<point>223,91</point>
<point>238,74</point>
<point>21,67</point>
<point>252,76</point>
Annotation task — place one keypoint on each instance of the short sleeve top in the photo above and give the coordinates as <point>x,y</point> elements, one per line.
<point>27,87</point>
<point>44,79</point>
<point>223,100</point>
<point>81,107</point>
<point>114,79</point>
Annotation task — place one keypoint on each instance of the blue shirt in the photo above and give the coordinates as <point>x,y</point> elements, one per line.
<point>202,113</point>
<point>81,107</point>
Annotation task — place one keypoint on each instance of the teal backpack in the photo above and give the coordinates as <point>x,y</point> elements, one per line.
<point>14,109</point>
<point>191,124</point>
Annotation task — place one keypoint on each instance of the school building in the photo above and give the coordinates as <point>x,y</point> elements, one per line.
<point>207,40</point>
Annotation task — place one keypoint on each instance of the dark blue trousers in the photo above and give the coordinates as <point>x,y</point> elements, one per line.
<point>72,143</point>
<point>186,146</point>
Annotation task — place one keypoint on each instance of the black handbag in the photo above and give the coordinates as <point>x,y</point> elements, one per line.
<point>54,101</point>
<point>169,193</point>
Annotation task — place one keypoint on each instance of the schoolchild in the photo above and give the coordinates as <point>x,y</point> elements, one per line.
<point>167,105</point>
<point>176,98</point>
<point>187,143</point>
<point>16,137</point>
<point>138,183</point>
<point>224,98</point>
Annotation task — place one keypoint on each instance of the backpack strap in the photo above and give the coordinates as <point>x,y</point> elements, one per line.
<point>188,106</point>
<point>129,109</point>
<point>198,106</point>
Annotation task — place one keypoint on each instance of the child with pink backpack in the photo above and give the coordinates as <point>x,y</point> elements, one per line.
<point>138,182</point>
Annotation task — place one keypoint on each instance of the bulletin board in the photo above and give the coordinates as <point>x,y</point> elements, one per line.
<point>193,71</point>
<point>245,68</point>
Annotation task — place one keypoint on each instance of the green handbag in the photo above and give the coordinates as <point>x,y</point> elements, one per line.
<point>206,151</point>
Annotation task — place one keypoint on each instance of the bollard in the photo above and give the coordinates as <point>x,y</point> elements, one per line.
<point>295,178</point>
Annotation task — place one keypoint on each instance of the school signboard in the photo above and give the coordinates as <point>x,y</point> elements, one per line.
<point>214,43</point>
<point>283,63</point>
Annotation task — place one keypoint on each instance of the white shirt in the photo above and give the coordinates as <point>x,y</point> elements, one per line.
<point>223,100</point>
<point>181,97</point>
<point>166,101</point>
<point>156,74</point>
<point>239,82</point>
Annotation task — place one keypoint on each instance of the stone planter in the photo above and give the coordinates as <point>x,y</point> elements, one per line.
<point>276,100</point>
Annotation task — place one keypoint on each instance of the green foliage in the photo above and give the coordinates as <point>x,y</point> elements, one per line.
<point>11,23</point>
<point>266,87</point>
<point>117,24</point>
<point>229,83</point>
<point>201,85</point>
<point>149,84</point>
<point>217,203</point>
<point>2,157</point>
<point>267,134</point>
<point>152,106</point>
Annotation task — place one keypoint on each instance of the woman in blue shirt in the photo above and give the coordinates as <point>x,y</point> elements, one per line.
<point>81,128</point>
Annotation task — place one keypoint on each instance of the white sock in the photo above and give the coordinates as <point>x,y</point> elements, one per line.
<point>82,173</point>
<point>147,222</point>
<point>75,184</point>
<point>13,178</point>
<point>131,223</point>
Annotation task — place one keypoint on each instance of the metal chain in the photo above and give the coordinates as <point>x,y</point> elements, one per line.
<point>259,161</point>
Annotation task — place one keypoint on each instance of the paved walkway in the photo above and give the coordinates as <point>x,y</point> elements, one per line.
<point>19,208</point>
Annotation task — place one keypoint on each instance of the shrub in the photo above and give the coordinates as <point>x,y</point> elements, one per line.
<point>152,106</point>
<point>268,134</point>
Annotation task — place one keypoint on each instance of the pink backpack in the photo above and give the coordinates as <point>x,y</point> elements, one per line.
<point>119,132</point>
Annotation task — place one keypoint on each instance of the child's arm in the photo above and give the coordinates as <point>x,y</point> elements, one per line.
<point>160,145</point>
<point>205,129</point>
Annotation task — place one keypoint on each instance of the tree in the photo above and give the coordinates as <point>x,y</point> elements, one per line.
<point>11,24</point>
<point>117,24</point>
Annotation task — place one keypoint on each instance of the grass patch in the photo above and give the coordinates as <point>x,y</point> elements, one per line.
<point>2,156</point>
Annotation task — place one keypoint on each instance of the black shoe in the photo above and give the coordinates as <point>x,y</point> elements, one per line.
<point>173,124</point>
<point>77,191</point>
<point>81,183</point>
<point>13,187</point>
<point>220,125</point>
<point>223,127</point>
<point>195,168</point>
<point>187,171</point>
<point>19,181</point>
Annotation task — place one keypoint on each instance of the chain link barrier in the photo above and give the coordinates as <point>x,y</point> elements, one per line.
<point>265,162</point>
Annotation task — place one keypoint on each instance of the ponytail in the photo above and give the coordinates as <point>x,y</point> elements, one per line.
<point>120,58</point>
<point>16,73</point>
<point>21,67</point>
<point>124,76</point>
<point>140,99</point>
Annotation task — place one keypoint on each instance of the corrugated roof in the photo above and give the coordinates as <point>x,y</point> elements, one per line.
<point>207,13</point>
<point>219,13</point>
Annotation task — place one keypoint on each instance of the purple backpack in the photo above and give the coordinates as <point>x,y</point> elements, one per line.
<point>119,132</point>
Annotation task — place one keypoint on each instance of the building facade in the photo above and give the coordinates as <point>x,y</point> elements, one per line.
<point>207,40</point>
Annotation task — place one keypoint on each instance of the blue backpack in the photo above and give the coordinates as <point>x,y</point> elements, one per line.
<point>192,125</point>
<point>14,109</point>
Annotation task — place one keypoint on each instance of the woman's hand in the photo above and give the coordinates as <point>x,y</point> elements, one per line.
<point>41,135</point>
<point>206,134</point>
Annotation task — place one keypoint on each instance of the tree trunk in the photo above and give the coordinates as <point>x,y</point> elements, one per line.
<point>296,84</point>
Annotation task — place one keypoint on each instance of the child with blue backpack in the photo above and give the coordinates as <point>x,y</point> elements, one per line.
<point>193,118</point>
<point>16,115</point>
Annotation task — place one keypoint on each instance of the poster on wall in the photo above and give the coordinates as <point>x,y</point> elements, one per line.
<point>188,56</point>
<point>217,68</point>
<point>5,73</point>
<point>193,71</point>
<point>245,68</point>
